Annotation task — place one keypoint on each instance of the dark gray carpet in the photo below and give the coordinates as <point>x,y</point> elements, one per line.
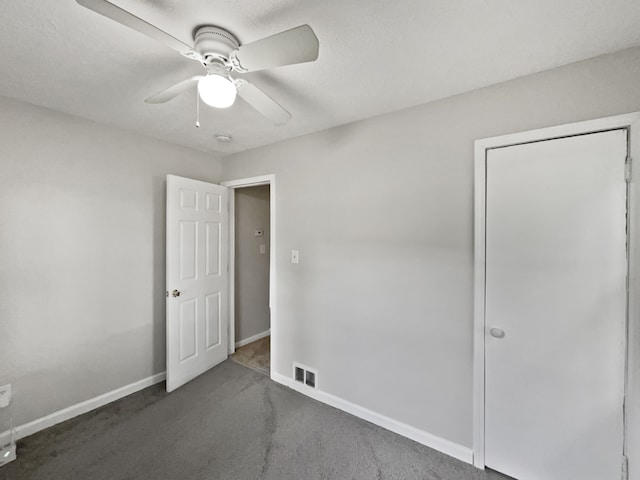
<point>230,423</point>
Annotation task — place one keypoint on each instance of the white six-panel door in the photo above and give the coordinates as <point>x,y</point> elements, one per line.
<point>197,278</point>
<point>555,308</point>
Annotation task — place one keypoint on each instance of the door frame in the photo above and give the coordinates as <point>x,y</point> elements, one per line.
<point>243,183</point>
<point>629,121</point>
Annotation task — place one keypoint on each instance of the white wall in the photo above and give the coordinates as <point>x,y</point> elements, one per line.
<point>251,266</point>
<point>382,213</point>
<point>82,255</point>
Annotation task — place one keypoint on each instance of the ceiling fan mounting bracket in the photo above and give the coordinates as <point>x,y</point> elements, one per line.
<point>216,66</point>
<point>214,44</point>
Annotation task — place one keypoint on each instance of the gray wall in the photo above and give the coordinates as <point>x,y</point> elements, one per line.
<point>382,213</point>
<point>251,267</point>
<point>82,255</point>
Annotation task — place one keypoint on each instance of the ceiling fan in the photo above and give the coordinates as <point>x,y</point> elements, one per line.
<point>220,53</point>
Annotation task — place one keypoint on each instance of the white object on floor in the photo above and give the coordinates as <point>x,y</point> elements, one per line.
<point>7,454</point>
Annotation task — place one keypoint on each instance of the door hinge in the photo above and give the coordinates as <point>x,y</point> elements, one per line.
<point>627,170</point>
<point>625,468</point>
<point>167,293</point>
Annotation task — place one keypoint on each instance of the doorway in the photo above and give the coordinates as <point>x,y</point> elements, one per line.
<point>551,301</point>
<point>252,271</point>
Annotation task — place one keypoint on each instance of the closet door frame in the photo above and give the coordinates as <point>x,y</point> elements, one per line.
<point>629,121</point>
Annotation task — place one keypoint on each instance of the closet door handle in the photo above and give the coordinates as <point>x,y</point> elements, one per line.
<point>497,333</point>
<point>175,293</point>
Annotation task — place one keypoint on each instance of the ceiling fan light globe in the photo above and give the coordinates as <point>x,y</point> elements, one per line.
<point>217,91</point>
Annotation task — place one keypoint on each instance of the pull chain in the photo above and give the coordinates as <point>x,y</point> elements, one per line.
<point>197,110</point>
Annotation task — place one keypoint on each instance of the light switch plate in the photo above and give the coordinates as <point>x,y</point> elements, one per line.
<point>295,256</point>
<point>263,249</point>
<point>5,395</point>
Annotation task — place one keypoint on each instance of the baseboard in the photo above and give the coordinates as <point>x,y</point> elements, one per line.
<point>253,338</point>
<point>432,441</point>
<point>79,408</point>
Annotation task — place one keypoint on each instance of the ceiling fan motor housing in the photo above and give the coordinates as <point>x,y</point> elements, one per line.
<point>214,43</point>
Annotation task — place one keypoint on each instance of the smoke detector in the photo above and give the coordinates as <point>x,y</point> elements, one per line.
<point>223,138</point>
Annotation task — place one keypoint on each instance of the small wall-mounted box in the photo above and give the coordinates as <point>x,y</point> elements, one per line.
<point>258,233</point>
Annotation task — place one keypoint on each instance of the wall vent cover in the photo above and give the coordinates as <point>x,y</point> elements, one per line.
<point>305,375</point>
<point>310,379</point>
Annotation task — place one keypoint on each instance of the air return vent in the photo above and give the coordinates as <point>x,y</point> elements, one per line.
<point>305,375</point>
<point>310,379</point>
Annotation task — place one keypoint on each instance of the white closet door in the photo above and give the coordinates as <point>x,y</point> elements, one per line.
<point>556,301</point>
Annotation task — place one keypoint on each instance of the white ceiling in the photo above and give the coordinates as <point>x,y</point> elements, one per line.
<point>375,57</point>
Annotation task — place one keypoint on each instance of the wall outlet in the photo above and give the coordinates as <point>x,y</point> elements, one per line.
<point>5,395</point>
<point>295,256</point>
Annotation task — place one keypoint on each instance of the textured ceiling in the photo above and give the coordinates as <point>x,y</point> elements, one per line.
<point>375,57</point>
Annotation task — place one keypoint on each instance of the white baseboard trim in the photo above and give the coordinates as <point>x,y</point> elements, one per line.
<point>445,446</point>
<point>79,408</point>
<point>253,338</point>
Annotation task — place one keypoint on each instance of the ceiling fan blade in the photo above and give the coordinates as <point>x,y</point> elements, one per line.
<point>109,10</point>
<point>298,45</point>
<point>262,102</point>
<point>172,92</point>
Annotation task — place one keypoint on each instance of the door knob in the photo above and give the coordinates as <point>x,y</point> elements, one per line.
<point>175,293</point>
<point>497,333</point>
